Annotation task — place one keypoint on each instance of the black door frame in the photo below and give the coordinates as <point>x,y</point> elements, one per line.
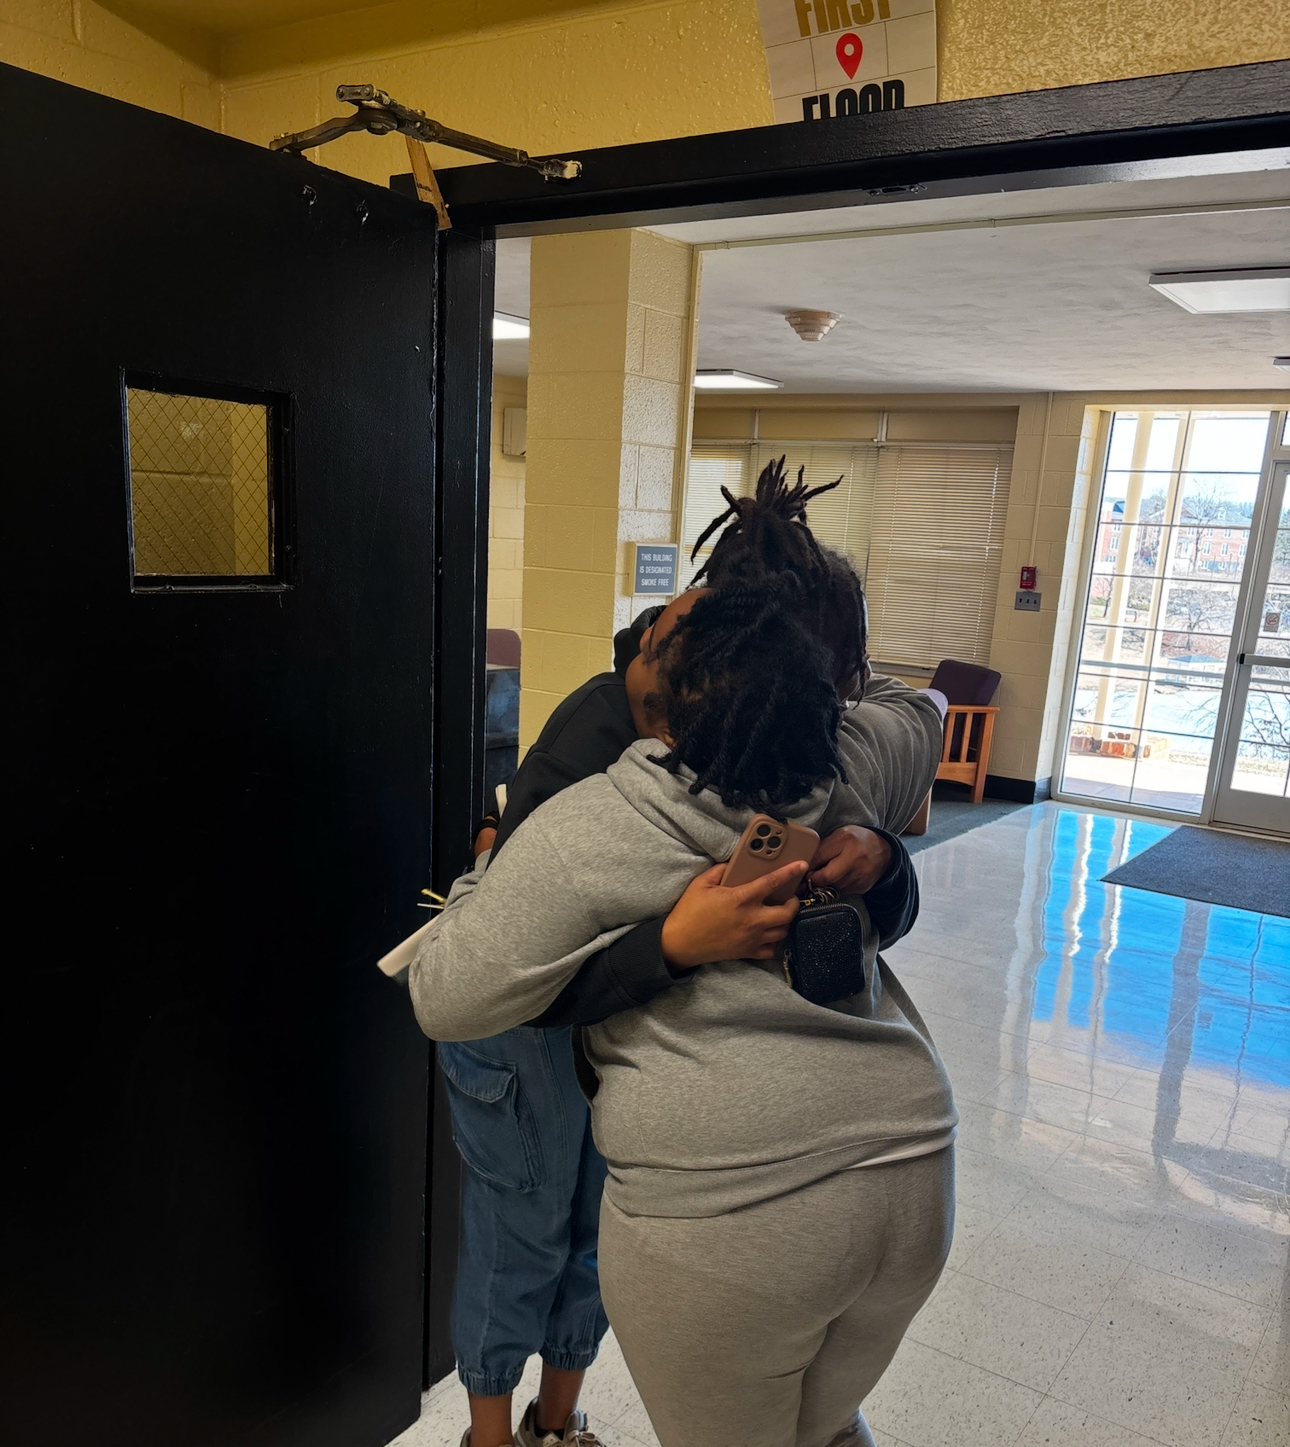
<point>1114,130</point>
<point>1118,130</point>
<point>463,397</point>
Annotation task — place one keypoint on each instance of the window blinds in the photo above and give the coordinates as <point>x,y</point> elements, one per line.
<point>922,523</point>
<point>711,469</point>
<point>934,552</point>
<point>839,519</point>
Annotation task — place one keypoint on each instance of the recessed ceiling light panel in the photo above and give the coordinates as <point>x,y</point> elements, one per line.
<point>713,381</point>
<point>1249,289</point>
<point>508,328</point>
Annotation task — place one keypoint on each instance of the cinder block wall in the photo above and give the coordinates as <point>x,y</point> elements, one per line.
<point>506,515</point>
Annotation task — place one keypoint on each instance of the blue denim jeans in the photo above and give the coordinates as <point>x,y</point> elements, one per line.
<point>526,1272</point>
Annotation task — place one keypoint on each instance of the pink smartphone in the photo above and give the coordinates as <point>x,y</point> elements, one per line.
<point>763,847</point>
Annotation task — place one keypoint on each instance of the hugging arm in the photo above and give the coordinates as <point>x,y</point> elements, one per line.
<point>507,942</point>
<point>626,974</point>
<point>632,971</point>
<point>893,902</point>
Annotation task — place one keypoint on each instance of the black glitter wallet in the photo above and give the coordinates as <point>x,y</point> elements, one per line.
<point>824,952</point>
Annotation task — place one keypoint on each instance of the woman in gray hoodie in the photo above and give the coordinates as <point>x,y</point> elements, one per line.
<point>780,1194</point>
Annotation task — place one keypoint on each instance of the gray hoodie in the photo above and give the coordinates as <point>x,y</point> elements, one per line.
<point>735,1089</point>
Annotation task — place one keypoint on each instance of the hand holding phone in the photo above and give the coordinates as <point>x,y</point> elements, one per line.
<point>710,923</point>
<point>766,845</point>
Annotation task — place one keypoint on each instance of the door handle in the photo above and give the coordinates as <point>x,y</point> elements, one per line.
<point>1262,660</point>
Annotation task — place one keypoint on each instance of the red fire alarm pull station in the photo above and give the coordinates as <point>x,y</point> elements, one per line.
<point>1029,574</point>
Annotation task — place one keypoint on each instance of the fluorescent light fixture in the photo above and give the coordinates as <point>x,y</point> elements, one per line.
<point>1283,363</point>
<point>713,381</point>
<point>509,329</point>
<point>1248,289</point>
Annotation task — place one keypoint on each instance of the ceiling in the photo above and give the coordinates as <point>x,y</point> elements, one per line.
<point>952,303</point>
<point>511,359</point>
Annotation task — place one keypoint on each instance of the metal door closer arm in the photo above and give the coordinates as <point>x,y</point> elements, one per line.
<point>380,115</point>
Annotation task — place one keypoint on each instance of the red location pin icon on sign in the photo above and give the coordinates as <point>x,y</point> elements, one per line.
<point>850,49</point>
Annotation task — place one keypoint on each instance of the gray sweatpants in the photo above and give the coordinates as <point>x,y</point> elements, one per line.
<point>768,1326</point>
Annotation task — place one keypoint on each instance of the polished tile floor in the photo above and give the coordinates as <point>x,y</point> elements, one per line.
<point>1121,1266</point>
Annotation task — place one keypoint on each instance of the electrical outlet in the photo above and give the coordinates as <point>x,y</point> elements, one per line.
<point>1028,600</point>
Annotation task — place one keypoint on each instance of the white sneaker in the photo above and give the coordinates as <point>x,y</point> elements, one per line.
<point>576,1431</point>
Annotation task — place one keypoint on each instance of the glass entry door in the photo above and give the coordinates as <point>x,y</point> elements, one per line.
<point>1254,789</point>
<point>1190,573</point>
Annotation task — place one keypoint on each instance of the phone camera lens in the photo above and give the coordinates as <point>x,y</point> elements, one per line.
<point>757,844</point>
<point>763,830</point>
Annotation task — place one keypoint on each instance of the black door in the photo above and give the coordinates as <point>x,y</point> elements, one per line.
<point>219,477</point>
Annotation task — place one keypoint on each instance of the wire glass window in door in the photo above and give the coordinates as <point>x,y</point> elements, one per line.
<point>201,487</point>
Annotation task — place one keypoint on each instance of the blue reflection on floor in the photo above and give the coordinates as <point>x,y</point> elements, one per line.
<point>1141,966</point>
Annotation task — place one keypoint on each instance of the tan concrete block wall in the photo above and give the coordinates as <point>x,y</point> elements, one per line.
<point>607,393</point>
<point>595,75</point>
<point>549,75</point>
<point>82,44</point>
<point>1022,647</point>
<point>988,48</point>
<point>505,515</point>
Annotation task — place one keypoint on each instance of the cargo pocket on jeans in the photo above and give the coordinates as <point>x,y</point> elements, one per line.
<point>491,1124</point>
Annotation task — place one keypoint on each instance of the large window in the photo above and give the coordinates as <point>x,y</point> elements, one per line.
<point>923,523</point>
<point>1172,532</point>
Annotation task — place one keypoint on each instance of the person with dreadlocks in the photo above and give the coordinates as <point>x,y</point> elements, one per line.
<point>547,1298</point>
<point>766,534</point>
<point>779,1196</point>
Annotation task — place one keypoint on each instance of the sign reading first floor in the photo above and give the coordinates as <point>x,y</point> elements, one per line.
<point>655,570</point>
<point>830,58</point>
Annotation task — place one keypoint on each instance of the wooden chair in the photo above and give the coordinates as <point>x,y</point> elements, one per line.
<point>969,729</point>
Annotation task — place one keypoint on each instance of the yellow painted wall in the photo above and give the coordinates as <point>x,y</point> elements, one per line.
<point>608,417</point>
<point>995,47</point>
<point>505,514</point>
<point>549,75</point>
<point>604,76</point>
<point>85,45</point>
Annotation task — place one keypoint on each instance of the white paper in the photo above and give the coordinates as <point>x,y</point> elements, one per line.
<point>401,956</point>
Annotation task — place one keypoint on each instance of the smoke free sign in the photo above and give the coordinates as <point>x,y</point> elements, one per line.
<point>832,58</point>
<point>656,567</point>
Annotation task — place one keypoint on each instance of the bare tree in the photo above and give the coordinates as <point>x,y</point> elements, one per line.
<point>1268,726</point>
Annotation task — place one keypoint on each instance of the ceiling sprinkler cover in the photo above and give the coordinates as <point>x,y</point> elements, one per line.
<point>812,326</point>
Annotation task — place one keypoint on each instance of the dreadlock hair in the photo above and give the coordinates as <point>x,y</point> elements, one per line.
<point>748,695</point>
<point>769,534</point>
<point>841,620</point>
